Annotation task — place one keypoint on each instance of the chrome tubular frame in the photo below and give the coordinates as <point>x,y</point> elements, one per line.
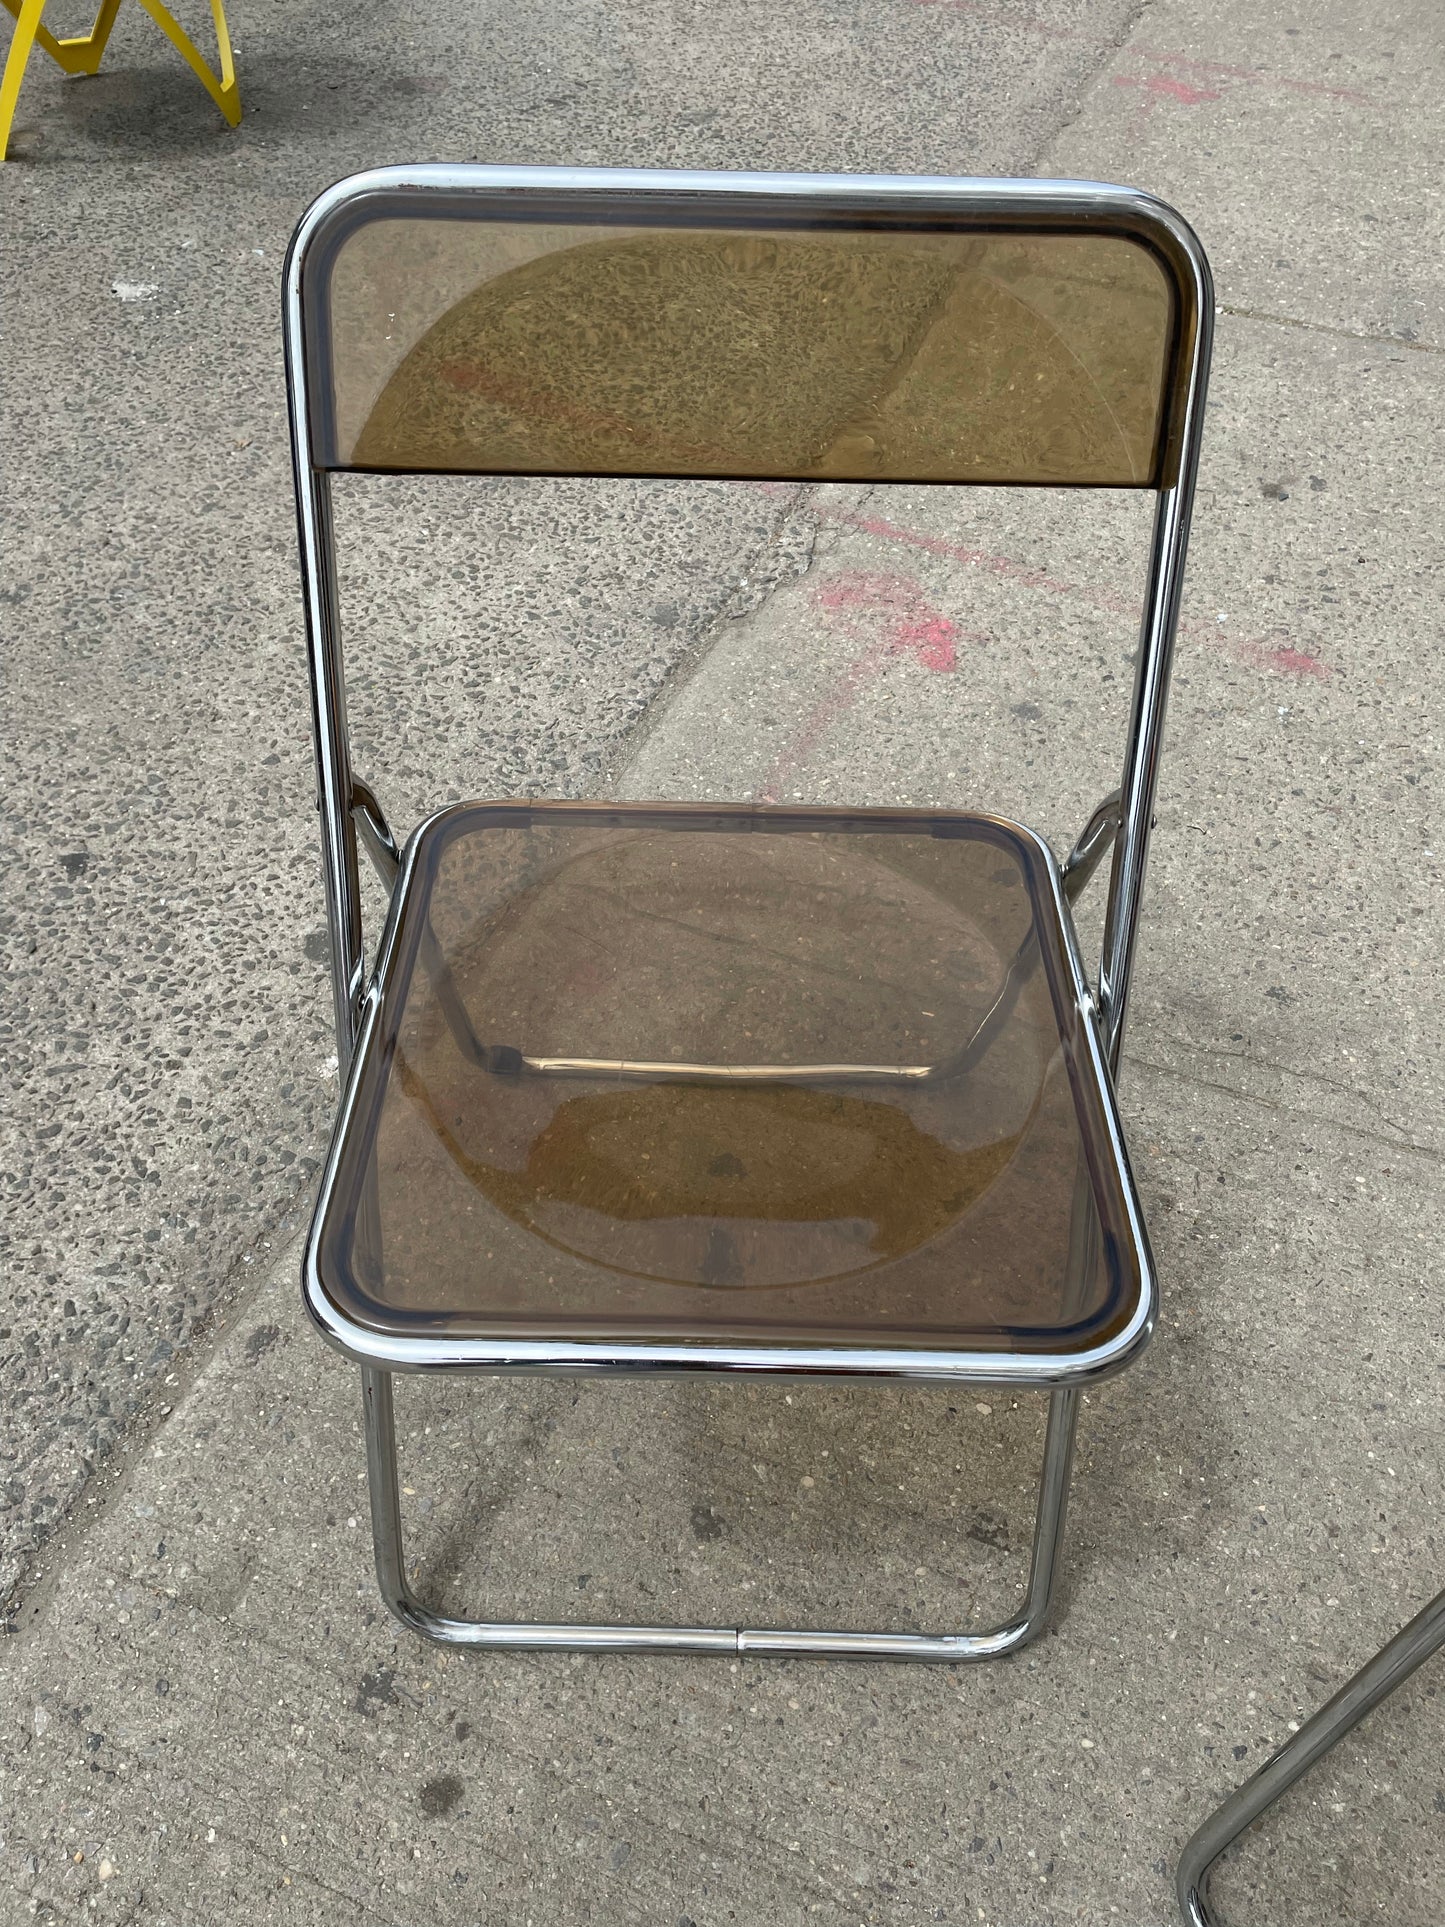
<point>396,1589</point>
<point>349,811</point>
<point>1145,745</point>
<point>1091,846</point>
<point>1375,1681</point>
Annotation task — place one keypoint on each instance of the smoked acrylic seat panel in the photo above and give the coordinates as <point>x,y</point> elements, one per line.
<point>506,1176</point>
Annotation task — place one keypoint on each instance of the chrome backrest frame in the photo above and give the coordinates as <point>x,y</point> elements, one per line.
<point>1020,204</point>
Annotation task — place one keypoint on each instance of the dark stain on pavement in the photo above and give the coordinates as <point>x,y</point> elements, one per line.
<point>260,1341</point>
<point>376,1689</point>
<point>441,1796</point>
<point>706,1523</point>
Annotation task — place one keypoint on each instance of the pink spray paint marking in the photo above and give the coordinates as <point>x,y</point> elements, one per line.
<point>1164,87</point>
<point>898,620</point>
<point>1003,566</point>
<point>1257,76</point>
<point>915,628</point>
<point>1286,661</point>
<point>1281,659</point>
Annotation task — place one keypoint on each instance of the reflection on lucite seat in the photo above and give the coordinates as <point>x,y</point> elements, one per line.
<point>766,1081</point>
<point>906,357</point>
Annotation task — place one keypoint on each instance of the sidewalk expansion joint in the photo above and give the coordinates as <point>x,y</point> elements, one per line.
<point>1324,328</point>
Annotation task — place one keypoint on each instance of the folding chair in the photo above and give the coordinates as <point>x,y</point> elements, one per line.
<point>720,1088</point>
<point>81,54</point>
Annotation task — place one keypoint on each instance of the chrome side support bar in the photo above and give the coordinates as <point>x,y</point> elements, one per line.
<point>335,785</point>
<point>491,1635</point>
<point>1391,1667</point>
<point>376,833</point>
<point>1146,711</point>
<point>1094,840</point>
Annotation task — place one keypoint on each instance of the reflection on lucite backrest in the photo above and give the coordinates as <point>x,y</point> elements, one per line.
<point>494,347</point>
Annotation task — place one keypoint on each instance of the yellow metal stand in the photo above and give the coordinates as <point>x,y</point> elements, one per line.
<point>82,54</point>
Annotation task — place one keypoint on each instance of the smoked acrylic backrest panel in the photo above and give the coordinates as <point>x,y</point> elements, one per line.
<point>666,338</point>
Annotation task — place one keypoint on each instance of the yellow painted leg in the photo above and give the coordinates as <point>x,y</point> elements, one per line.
<point>82,54</point>
<point>27,24</point>
<point>221,87</point>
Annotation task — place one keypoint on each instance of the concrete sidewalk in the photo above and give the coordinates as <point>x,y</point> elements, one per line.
<point>170,1050</point>
<point>208,1710</point>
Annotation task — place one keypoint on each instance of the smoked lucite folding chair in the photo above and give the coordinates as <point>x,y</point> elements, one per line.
<point>721,1088</point>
